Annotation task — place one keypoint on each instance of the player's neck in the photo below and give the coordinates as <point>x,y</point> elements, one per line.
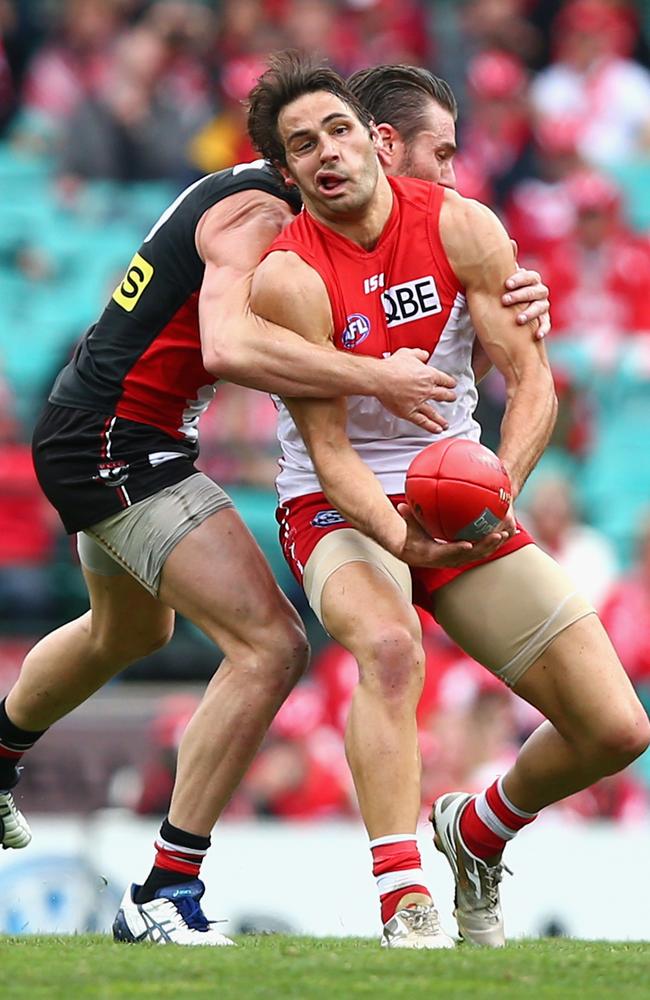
<point>366,229</point>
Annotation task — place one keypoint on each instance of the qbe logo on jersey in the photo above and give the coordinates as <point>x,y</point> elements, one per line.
<point>133,284</point>
<point>410,301</point>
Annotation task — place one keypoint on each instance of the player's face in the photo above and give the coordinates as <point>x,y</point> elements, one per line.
<point>330,155</point>
<point>430,155</point>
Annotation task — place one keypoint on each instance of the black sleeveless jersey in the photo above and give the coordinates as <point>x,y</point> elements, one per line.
<point>142,360</point>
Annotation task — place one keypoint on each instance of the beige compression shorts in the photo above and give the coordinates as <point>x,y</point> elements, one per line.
<point>139,539</point>
<point>503,613</point>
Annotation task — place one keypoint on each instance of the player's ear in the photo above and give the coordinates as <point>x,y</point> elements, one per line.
<point>288,179</point>
<point>390,145</point>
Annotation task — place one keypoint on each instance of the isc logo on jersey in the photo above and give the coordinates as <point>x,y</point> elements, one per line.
<point>411,301</point>
<point>134,283</point>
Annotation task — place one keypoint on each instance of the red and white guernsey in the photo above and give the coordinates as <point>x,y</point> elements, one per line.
<point>402,293</point>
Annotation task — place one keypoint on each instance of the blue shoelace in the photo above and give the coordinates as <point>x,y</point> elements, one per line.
<point>192,914</point>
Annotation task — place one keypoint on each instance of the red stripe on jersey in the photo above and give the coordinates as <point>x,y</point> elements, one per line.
<point>167,377</point>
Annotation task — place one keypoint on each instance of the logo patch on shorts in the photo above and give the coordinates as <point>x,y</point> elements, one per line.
<point>113,473</point>
<point>133,284</point>
<point>326,517</point>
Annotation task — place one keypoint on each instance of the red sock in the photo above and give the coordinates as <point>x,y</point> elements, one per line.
<point>397,868</point>
<point>178,859</point>
<point>179,851</point>
<point>490,820</point>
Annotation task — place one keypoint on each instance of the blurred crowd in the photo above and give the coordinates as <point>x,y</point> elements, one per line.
<point>553,133</point>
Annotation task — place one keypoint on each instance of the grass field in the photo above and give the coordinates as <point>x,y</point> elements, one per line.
<point>32,968</point>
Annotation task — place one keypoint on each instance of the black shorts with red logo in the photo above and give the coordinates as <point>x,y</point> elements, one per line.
<point>92,465</point>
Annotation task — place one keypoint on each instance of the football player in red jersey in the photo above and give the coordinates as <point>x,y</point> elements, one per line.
<point>115,454</point>
<point>373,263</point>
<point>415,115</point>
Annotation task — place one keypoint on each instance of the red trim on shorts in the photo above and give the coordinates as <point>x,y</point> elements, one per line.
<point>103,450</point>
<point>299,536</point>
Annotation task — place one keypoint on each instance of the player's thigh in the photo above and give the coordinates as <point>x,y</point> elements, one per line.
<point>506,612</point>
<point>187,545</point>
<point>218,577</point>
<point>578,683</point>
<point>362,598</point>
<point>125,620</point>
<point>522,617</point>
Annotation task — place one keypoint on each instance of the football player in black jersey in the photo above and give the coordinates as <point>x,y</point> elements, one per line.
<point>114,452</point>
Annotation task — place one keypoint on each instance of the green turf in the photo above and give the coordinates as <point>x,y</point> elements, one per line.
<point>310,969</point>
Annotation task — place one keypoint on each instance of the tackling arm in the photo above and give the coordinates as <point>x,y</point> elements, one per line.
<point>240,346</point>
<point>480,253</point>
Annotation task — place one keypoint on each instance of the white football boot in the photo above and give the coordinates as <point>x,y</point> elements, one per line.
<point>478,907</point>
<point>173,917</point>
<point>14,829</point>
<point>415,927</point>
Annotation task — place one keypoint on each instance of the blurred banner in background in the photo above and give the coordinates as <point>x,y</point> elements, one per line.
<point>313,879</point>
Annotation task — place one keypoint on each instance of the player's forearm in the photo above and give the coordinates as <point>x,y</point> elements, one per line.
<point>261,355</point>
<point>353,489</point>
<point>528,422</point>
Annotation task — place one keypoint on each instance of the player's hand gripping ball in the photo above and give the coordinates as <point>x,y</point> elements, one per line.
<point>458,490</point>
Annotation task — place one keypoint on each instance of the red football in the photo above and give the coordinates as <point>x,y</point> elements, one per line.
<point>458,490</point>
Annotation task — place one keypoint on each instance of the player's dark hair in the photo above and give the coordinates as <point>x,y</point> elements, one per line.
<point>400,95</point>
<point>290,75</point>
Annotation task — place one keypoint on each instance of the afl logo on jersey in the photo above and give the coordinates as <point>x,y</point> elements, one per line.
<point>355,332</point>
<point>410,301</point>
<point>134,283</point>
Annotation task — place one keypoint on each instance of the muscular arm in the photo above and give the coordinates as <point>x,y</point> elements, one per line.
<point>480,253</point>
<point>287,290</point>
<point>240,346</point>
<point>527,292</point>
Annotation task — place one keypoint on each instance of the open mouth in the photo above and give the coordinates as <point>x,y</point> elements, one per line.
<point>330,184</point>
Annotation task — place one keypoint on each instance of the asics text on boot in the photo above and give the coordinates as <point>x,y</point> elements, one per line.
<point>174,916</point>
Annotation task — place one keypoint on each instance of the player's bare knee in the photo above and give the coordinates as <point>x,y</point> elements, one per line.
<point>151,642</point>
<point>278,659</point>
<point>393,663</point>
<point>121,647</point>
<point>290,650</point>
<point>622,740</point>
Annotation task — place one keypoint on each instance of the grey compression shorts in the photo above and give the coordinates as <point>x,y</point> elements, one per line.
<point>504,613</point>
<point>139,539</point>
